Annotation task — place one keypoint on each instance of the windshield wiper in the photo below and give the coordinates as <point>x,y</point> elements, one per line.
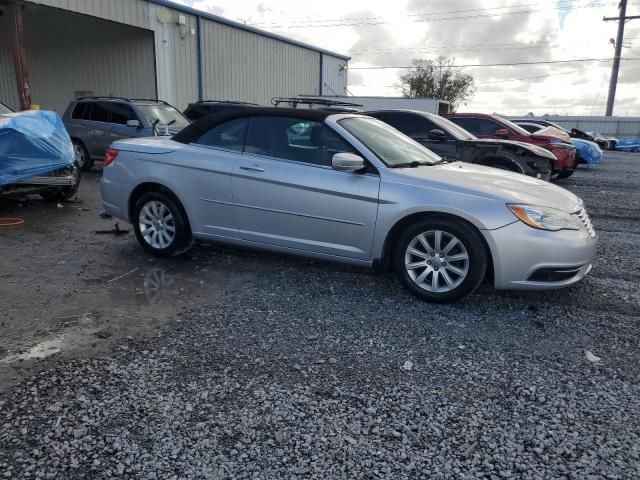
<point>413,164</point>
<point>444,160</point>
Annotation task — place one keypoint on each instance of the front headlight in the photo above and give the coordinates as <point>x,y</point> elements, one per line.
<point>560,144</point>
<point>544,218</point>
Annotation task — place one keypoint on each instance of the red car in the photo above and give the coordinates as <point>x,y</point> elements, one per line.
<point>492,126</point>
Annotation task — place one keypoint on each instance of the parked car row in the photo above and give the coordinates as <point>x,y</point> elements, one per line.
<point>446,203</point>
<point>351,188</point>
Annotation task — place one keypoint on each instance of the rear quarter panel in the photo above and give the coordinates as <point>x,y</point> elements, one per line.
<point>191,173</point>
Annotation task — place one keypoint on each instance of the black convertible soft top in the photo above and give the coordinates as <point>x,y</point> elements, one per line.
<point>200,127</point>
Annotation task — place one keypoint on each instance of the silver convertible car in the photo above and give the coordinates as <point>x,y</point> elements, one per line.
<point>348,188</point>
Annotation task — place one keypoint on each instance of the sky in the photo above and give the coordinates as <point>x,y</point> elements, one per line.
<point>389,33</point>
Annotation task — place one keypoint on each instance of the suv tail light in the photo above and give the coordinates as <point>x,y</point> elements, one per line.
<point>109,156</point>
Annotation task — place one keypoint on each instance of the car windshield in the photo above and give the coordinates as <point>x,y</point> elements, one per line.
<point>388,144</point>
<point>166,114</point>
<point>456,131</point>
<point>4,109</point>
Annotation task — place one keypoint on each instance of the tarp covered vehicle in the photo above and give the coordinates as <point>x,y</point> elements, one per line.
<point>588,152</point>
<point>36,156</point>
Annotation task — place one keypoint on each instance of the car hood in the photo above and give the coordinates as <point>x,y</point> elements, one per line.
<point>487,182</point>
<point>551,132</point>
<point>541,152</point>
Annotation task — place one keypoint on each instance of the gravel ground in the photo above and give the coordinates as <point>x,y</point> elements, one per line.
<point>318,371</point>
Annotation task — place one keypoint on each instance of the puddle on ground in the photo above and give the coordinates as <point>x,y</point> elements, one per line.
<point>127,305</point>
<point>40,350</point>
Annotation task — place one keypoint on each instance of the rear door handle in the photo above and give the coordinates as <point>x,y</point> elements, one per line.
<point>252,168</point>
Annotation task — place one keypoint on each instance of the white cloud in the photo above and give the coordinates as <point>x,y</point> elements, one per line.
<point>549,29</point>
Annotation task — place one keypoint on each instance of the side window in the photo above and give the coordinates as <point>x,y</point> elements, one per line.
<point>529,127</point>
<point>468,123</point>
<point>121,113</point>
<point>100,112</point>
<point>80,111</point>
<point>488,127</point>
<point>407,124</point>
<point>228,135</point>
<point>294,139</point>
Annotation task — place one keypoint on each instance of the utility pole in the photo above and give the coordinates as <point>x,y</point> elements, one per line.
<point>613,82</point>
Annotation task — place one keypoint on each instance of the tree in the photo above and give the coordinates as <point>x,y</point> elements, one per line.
<point>438,79</point>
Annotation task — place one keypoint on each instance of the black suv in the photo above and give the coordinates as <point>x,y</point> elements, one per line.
<point>195,111</point>
<point>454,142</point>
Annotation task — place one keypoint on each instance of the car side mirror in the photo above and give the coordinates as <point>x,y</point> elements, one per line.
<point>133,123</point>
<point>347,162</point>
<point>437,135</point>
<point>502,132</point>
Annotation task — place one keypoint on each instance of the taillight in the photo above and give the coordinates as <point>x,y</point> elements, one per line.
<point>109,156</point>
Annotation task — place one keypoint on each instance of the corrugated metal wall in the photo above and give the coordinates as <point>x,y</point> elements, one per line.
<point>176,58</point>
<point>241,65</point>
<point>69,54</point>
<point>8,89</point>
<point>237,64</point>
<point>130,12</point>
<point>334,75</point>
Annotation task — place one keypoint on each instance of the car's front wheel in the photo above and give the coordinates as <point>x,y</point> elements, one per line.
<point>160,225</point>
<point>84,161</point>
<point>441,260</point>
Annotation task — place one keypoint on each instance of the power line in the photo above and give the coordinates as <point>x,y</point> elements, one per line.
<point>540,76</point>
<point>383,52</point>
<point>447,46</point>
<point>559,4</point>
<point>548,62</point>
<point>423,20</point>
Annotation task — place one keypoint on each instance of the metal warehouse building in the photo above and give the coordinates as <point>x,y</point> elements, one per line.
<point>55,50</point>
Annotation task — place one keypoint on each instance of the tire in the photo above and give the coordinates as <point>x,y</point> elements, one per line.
<point>161,213</point>
<point>470,245</point>
<point>505,163</point>
<point>82,156</point>
<point>566,173</point>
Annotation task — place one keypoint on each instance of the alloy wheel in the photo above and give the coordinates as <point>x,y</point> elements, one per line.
<point>157,225</point>
<point>78,152</point>
<point>436,261</point>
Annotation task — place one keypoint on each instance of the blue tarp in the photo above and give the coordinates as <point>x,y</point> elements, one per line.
<point>628,145</point>
<point>32,143</point>
<point>588,151</point>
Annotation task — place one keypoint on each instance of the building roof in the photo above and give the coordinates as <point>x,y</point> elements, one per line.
<point>194,131</point>
<point>242,26</point>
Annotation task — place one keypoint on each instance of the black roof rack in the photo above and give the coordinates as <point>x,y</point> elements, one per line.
<point>149,100</point>
<point>103,97</point>
<point>295,101</point>
<point>124,99</point>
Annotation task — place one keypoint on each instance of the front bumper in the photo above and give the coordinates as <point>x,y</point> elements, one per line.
<point>566,159</point>
<point>520,253</point>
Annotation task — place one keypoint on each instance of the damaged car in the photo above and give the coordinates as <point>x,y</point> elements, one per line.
<point>36,156</point>
<point>452,141</point>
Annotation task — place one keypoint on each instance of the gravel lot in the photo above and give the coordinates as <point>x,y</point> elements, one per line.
<point>309,370</point>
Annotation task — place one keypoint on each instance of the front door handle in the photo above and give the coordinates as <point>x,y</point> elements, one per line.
<point>252,168</point>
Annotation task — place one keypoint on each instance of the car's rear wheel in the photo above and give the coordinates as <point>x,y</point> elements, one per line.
<point>505,163</point>
<point>441,260</point>
<point>82,156</point>
<point>160,225</point>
